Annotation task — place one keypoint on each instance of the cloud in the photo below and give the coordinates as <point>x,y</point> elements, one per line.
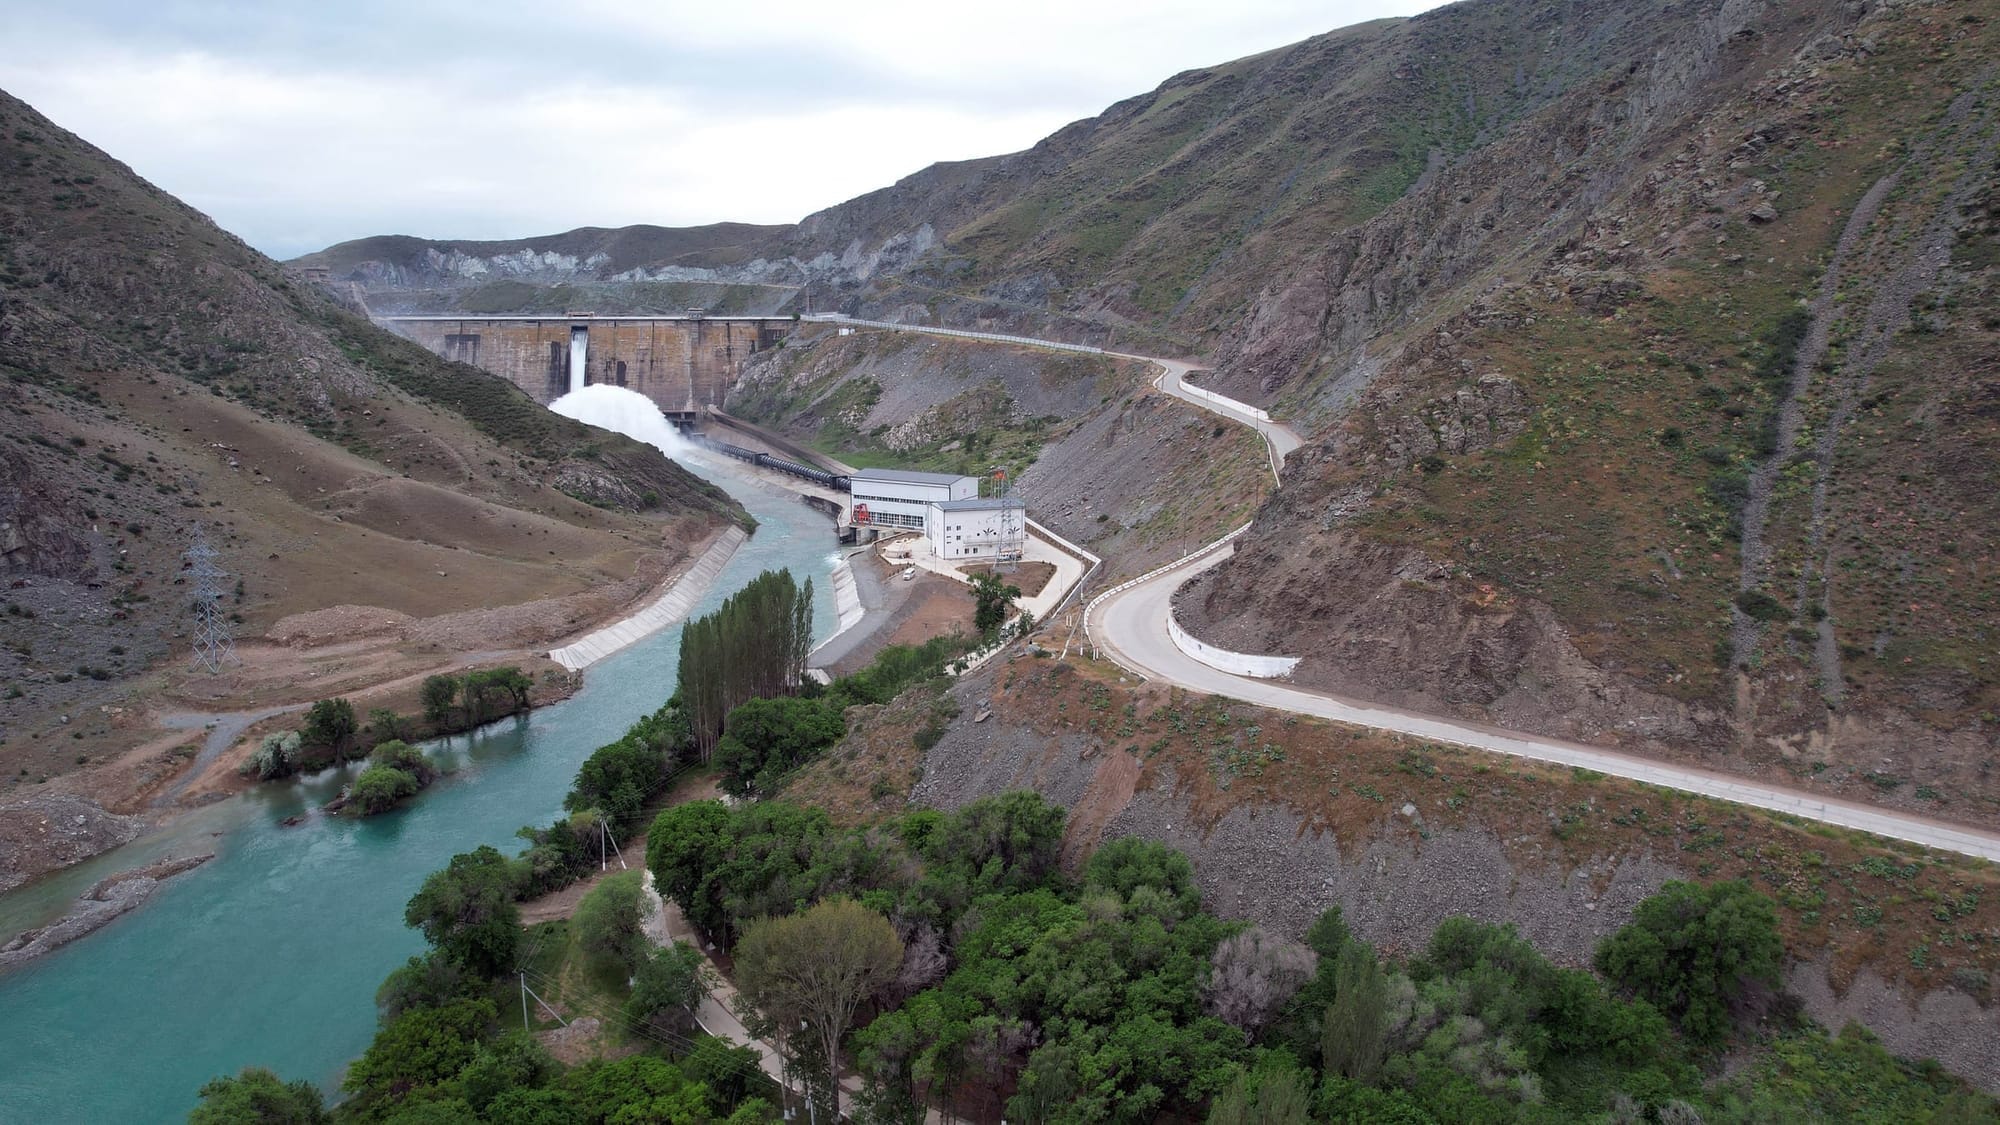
<point>297,126</point>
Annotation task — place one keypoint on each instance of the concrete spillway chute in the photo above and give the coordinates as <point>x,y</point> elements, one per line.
<point>579,354</point>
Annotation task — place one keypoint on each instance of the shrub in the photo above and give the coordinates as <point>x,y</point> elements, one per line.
<point>277,756</point>
<point>379,789</point>
<point>1692,950</point>
<point>398,755</point>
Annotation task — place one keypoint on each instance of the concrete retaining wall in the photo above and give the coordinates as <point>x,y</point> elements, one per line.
<point>669,608</point>
<point>1223,660</point>
<point>847,605</point>
<point>1224,402</point>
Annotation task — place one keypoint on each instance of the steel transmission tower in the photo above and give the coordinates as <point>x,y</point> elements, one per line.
<point>1013,536</point>
<point>214,642</point>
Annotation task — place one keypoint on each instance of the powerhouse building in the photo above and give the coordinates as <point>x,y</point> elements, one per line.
<point>946,508</point>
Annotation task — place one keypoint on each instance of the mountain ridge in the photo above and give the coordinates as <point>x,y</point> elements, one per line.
<point>159,375</point>
<point>1522,269</point>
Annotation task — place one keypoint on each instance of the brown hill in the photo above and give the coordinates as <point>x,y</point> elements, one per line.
<point>1701,456</point>
<point>1648,347</point>
<point>159,374</point>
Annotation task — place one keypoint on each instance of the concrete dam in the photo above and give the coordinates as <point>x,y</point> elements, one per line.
<point>683,363</point>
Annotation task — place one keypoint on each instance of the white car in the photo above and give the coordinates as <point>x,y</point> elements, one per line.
<point>909,574</point>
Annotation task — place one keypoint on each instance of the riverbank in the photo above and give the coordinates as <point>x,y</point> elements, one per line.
<point>303,922</point>
<point>95,909</point>
<point>193,730</point>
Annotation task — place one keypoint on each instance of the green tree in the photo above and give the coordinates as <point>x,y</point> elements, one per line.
<point>754,646</point>
<point>1009,842</point>
<point>685,849</point>
<point>817,966</point>
<point>330,726</point>
<point>421,1048</point>
<point>734,1076</point>
<point>467,911</point>
<point>608,920</point>
<point>638,1088</point>
<point>766,738</point>
<point>1130,862</point>
<point>510,1061</point>
<point>440,698</point>
<point>1352,1035</point>
<point>992,597</point>
<point>1276,1093</point>
<point>379,789</point>
<point>617,777</point>
<point>258,1097</point>
<point>488,692</point>
<point>429,981</point>
<point>667,987</point>
<point>385,724</point>
<point>1692,950</point>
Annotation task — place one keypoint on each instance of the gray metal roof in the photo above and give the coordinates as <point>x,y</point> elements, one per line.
<point>907,476</point>
<point>982,504</point>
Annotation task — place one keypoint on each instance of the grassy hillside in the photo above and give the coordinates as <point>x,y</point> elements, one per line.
<point>1748,480</point>
<point>1646,346</point>
<point>158,374</point>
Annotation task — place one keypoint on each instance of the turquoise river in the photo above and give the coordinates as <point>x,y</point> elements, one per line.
<point>270,954</point>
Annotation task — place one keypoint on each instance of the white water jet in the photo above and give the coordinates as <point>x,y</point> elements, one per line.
<point>625,412</point>
<point>579,355</point>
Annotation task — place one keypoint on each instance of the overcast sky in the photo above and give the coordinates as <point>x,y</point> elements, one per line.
<point>297,124</point>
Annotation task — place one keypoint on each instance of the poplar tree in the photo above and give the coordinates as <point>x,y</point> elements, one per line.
<point>755,646</point>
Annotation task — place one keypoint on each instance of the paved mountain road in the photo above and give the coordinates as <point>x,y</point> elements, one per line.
<point>1129,624</point>
<point>1131,627</point>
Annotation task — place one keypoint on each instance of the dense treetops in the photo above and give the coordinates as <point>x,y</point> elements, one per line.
<point>950,960</point>
<point>754,646</point>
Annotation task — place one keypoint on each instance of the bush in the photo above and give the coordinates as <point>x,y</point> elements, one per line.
<point>386,725</point>
<point>277,756</point>
<point>1693,950</point>
<point>1762,606</point>
<point>379,789</point>
<point>399,755</point>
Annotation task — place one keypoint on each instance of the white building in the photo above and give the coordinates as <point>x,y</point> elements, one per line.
<point>946,508</point>
<point>990,528</point>
<point>900,499</point>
